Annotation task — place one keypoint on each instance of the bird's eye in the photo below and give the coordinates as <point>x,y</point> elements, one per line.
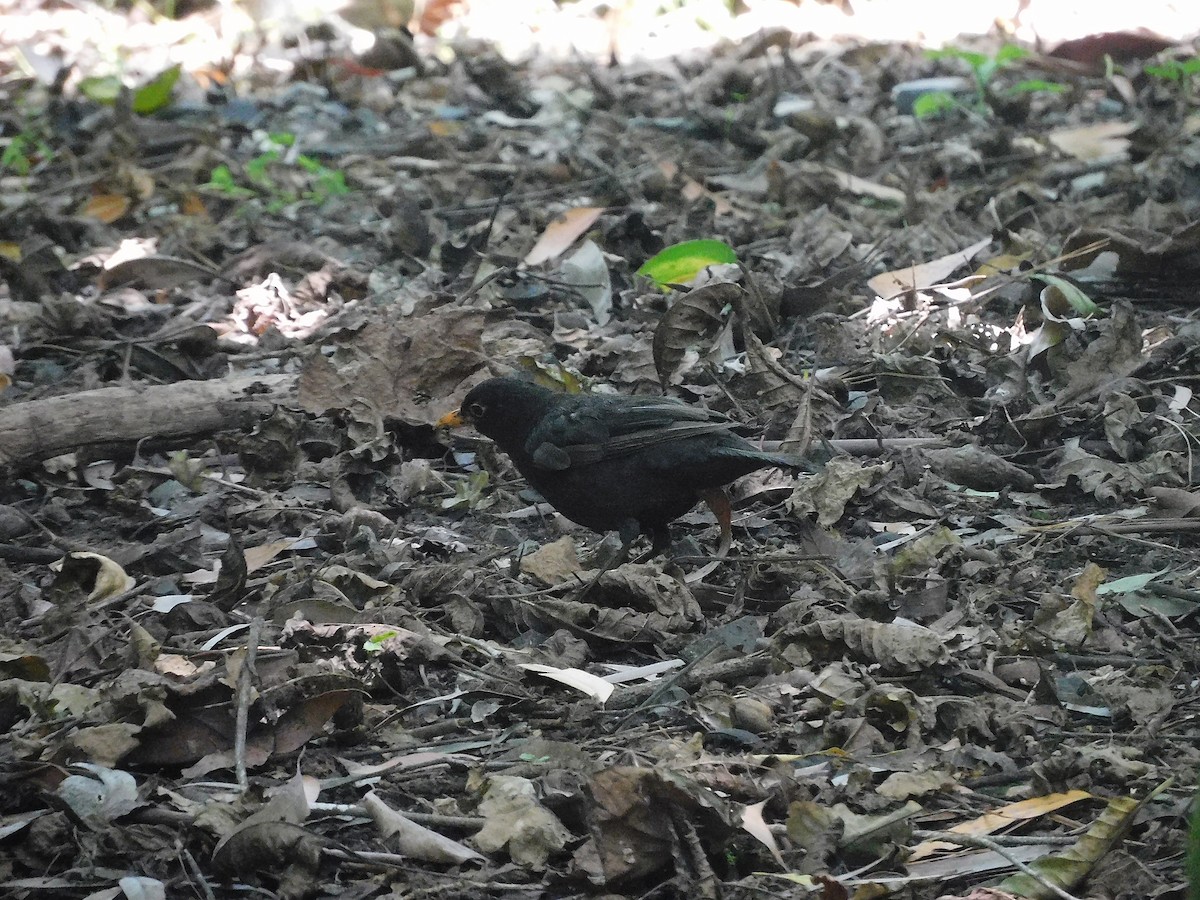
<point>475,410</point>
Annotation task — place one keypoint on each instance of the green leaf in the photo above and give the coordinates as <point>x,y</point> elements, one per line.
<point>16,156</point>
<point>333,183</point>
<point>256,169</point>
<point>933,104</point>
<point>1036,84</point>
<point>375,643</point>
<point>1171,71</point>
<point>222,180</point>
<point>328,183</point>
<point>471,493</point>
<point>975,60</point>
<point>1140,606</point>
<point>683,262</point>
<point>1080,302</point>
<point>1129,583</point>
<point>156,93</point>
<point>982,66</point>
<point>1174,69</point>
<point>1010,53</point>
<point>101,88</point>
<point>1005,55</point>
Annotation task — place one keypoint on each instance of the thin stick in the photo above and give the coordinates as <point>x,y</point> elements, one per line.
<point>245,686</point>
<point>983,843</point>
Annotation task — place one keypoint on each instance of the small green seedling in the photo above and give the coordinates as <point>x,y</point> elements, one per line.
<point>1175,70</point>
<point>471,493</point>
<point>264,173</point>
<point>149,97</point>
<point>1180,73</point>
<point>984,69</point>
<point>24,151</point>
<point>375,643</point>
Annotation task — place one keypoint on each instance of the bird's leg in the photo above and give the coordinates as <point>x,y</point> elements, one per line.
<point>660,540</point>
<point>628,533</point>
<point>718,501</point>
<point>612,558</point>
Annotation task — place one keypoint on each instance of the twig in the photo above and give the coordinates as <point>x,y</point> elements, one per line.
<point>245,686</point>
<point>983,843</point>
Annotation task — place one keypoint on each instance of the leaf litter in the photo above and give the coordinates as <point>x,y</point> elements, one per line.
<point>268,630</point>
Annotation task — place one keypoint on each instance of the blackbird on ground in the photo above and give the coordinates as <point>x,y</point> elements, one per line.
<point>615,463</point>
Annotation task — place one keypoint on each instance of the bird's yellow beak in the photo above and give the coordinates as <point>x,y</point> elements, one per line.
<point>451,420</point>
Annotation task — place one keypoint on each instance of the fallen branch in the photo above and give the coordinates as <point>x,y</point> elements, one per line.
<point>40,429</point>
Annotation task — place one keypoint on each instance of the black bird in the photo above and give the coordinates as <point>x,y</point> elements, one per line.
<point>613,463</point>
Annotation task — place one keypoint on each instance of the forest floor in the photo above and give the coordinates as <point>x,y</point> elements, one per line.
<point>269,631</point>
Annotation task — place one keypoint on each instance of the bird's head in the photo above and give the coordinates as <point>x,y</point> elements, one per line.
<point>504,409</point>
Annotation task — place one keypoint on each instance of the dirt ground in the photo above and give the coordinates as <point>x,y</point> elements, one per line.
<point>268,632</point>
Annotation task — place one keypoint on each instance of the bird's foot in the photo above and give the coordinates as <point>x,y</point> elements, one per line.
<point>607,554</point>
<point>628,532</point>
<point>660,540</point>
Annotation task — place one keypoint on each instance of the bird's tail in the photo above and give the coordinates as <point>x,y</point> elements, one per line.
<point>782,460</point>
<point>793,461</point>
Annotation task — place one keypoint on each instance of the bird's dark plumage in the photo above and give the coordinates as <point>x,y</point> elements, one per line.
<point>609,462</point>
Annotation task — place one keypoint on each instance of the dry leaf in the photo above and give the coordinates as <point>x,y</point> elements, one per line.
<point>1102,141</point>
<point>108,208</point>
<point>562,233</point>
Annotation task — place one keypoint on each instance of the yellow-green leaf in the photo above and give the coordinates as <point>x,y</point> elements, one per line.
<point>101,88</point>
<point>156,93</point>
<point>683,262</point>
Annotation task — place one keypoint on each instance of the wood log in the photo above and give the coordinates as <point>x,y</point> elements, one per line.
<point>39,429</point>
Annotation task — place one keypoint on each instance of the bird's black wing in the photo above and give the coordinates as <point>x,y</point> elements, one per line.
<point>581,454</point>
<point>578,434</point>
<point>581,433</point>
<point>607,426</point>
